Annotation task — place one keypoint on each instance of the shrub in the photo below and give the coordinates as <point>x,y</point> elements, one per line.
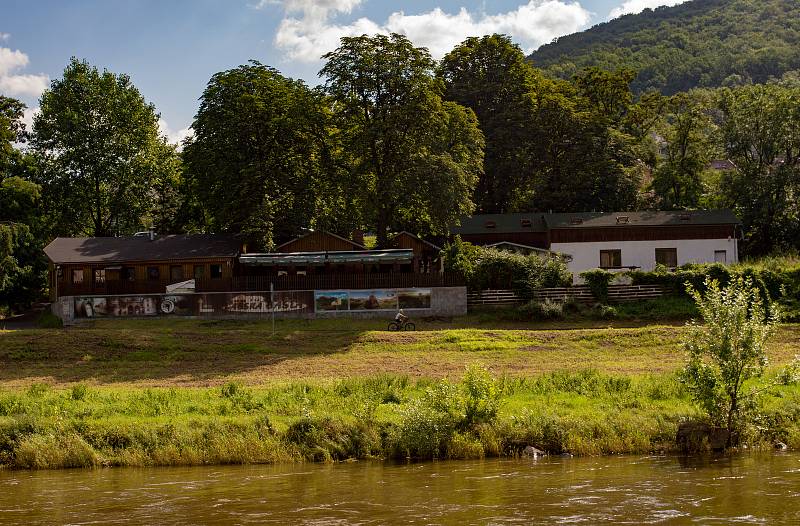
<point>522,273</point>
<point>598,281</point>
<point>543,310</point>
<point>728,350</point>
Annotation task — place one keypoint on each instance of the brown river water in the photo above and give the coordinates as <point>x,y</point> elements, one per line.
<point>748,489</point>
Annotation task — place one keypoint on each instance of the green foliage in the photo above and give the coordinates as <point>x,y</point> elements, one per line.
<point>498,269</point>
<point>460,257</point>
<point>398,132</point>
<point>100,153</point>
<point>704,43</point>
<point>543,310</point>
<point>490,76</point>
<point>598,281</point>
<point>261,155</point>
<point>22,264</point>
<point>727,351</point>
<point>759,130</point>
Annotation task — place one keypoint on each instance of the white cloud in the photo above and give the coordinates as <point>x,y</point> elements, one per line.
<point>15,84</point>
<point>637,6</point>
<point>27,117</point>
<point>308,29</point>
<point>4,36</point>
<point>174,136</point>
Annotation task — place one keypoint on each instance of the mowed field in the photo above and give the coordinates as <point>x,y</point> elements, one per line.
<point>197,353</point>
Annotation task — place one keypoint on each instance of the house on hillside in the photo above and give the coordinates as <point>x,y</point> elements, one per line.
<point>139,264</point>
<point>615,240</point>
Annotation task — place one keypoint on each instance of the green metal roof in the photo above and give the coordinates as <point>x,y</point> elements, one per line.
<point>320,258</point>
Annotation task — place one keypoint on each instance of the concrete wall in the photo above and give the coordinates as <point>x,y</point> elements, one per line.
<point>586,256</point>
<point>444,301</point>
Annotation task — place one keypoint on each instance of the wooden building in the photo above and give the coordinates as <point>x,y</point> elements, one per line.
<point>139,264</point>
<point>427,256</point>
<point>527,229</point>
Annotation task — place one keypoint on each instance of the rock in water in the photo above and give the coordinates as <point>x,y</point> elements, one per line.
<point>780,446</point>
<point>533,452</point>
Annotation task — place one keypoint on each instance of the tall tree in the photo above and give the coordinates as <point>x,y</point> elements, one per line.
<point>417,158</point>
<point>491,76</point>
<point>687,136</point>
<point>760,129</point>
<point>261,158</point>
<point>21,261</point>
<point>100,151</point>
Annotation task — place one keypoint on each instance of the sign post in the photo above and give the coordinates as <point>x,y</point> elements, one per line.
<point>272,304</point>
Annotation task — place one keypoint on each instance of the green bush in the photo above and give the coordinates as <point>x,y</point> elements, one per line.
<point>598,281</point>
<point>543,310</point>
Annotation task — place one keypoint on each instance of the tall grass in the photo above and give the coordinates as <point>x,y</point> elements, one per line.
<point>580,412</point>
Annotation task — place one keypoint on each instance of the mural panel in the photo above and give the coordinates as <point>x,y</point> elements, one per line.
<point>414,299</point>
<point>331,300</point>
<point>373,300</point>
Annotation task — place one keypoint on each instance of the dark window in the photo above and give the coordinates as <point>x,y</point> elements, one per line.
<point>667,257</point>
<point>216,271</point>
<point>525,223</point>
<point>576,221</point>
<point>610,258</point>
<point>623,220</point>
<point>99,276</point>
<point>720,256</point>
<point>77,276</point>
<point>129,273</point>
<point>199,271</point>
<point>491,224</point>
<point>153,273</point>
<point>176,273</point>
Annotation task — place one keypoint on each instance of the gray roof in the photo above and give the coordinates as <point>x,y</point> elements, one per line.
<point>650,218</point>
<point>539,222</point>
<point>503,224</point>
<point>140,248</point>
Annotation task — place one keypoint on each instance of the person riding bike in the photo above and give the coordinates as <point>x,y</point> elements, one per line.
<point>401,322</point>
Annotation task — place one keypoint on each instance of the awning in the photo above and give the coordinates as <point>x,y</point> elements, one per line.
<point>321,258</point>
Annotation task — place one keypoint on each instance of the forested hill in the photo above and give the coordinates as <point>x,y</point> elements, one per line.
<point>700,43</point>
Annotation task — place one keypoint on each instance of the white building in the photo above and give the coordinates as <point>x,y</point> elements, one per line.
<point>616,241</point>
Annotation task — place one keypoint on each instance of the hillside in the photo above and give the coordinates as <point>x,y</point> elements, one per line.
<point>701,43</point>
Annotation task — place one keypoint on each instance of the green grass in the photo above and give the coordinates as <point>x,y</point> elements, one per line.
<point>384,416</point>
<point>185,392</point>
<point>195,353</point>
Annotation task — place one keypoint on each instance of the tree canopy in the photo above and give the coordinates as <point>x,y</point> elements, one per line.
<point>100,153</point>
<point>416,157</point>
<point>702,43</point>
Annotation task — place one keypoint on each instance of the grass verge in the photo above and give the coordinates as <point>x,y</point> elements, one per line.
<point>387,416</point>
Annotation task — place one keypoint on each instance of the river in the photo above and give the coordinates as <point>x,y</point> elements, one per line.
<point>757,489</point>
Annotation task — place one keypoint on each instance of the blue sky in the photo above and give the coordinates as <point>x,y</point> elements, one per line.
<point>170,48</point>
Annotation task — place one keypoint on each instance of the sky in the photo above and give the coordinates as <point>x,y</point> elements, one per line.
<point>171,48</point>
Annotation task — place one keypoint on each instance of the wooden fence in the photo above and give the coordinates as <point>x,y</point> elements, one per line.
<point>580,293</point>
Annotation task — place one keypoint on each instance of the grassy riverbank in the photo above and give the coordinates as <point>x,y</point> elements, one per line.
<point>583,413</point>
<point>193,392</point>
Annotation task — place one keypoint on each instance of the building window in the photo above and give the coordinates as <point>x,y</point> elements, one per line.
<point>490,224</point>
<point>525,223</point>
<point>129,273</point>
<point>721,256</point>
<point>176,273</point>
<point>199,272</point>
<point>153,273</point>
<point>216,271</point>
<point>610,258</point>
<point>77,276</point>
<point>667,257</point>
<point>99,276</point>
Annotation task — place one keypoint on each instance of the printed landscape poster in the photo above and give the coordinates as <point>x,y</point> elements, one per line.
<point>415,299</point>
<point>331,300</point>
<point>373,300</point>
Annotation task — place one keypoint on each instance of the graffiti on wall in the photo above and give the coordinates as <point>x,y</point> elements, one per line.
<point>295,302</point>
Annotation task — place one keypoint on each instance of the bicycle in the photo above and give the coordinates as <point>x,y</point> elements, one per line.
<point>401,325</point>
